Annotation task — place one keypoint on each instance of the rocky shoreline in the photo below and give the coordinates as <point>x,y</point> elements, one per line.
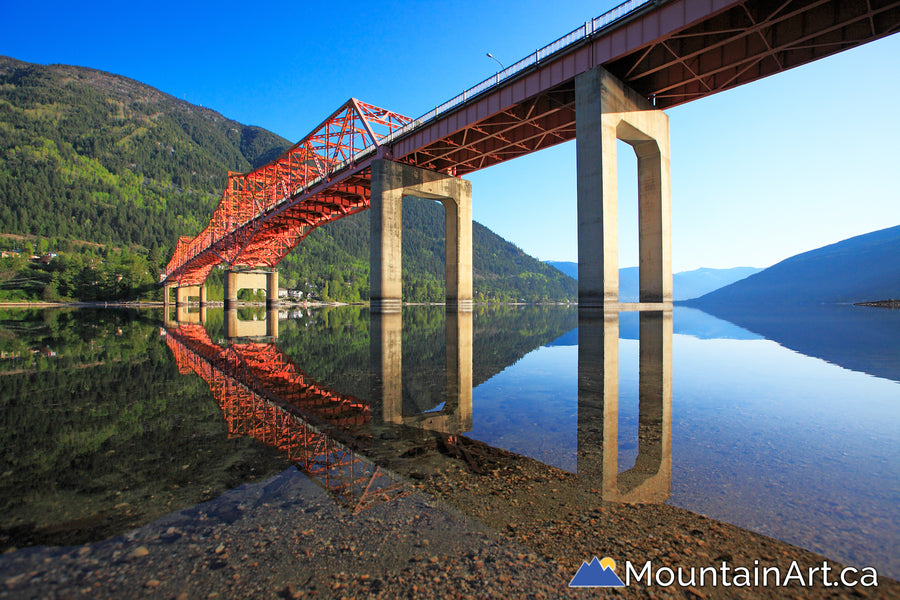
<point>514,530</point>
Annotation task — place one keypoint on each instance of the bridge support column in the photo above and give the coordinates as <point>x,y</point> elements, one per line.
<point>231,289</point>
<point>184,293</point>
<point>272,290</point>
<point>606,110</point>
<point>251,280</point>
<point>167,296</point>
<point>390,182</point>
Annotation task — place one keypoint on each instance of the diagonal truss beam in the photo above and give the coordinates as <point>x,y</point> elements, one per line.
<point>351,133</point>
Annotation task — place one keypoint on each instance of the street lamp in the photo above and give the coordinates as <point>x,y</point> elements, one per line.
<point>491,56</point>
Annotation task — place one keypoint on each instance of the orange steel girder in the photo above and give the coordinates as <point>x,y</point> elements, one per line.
<point>356,483</point>
<point>540,122</point>
<point>748,41</point>
<point>320,179</point>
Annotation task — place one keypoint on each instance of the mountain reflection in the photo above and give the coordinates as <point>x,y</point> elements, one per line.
<point>858,338</point>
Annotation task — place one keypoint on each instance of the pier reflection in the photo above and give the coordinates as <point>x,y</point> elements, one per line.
<point>351,444</point>
<point>454,415</point>
<point>250,322</point>
<point>650,479</point>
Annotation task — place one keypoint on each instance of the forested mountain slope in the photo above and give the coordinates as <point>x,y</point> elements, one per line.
<point>91,162</point>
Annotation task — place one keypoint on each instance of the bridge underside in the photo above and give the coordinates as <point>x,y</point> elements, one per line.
<point>670,55</point>
<point>748,41</point>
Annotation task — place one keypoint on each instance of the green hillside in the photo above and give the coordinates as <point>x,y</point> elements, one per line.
<point>337,256</point>
<point>108,172</point>
<point>92,156</point>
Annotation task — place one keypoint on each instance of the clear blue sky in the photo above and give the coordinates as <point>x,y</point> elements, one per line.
<point>759,173</point>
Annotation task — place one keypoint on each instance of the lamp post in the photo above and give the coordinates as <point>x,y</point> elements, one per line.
<point>491,56</point>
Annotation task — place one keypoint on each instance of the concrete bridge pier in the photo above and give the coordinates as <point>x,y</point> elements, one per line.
<point>167,296</point>
<point>253,280</point>
<point>650,479</point>
<point>272,292</point>
<point>183,294</point>
<point>606,110</point>
<point>390,182</point>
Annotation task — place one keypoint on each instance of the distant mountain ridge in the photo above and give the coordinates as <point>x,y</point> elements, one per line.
<point>858,269</point>
<point>687,284</point>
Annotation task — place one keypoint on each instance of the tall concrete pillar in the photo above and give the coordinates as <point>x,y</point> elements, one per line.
<point>607,110</point>
<point>650,479</point>
<point>390,182</point>
<point>231,289</point>
<point>272,289</point>
<point>458,248</point>
<point>167,295</point>
<point>385,358</point>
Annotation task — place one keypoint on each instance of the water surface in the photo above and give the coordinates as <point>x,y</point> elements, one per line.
<point>114,418</point>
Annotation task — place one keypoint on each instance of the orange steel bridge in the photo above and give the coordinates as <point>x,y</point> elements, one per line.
<point>264,395</point>
<point>668,51</point>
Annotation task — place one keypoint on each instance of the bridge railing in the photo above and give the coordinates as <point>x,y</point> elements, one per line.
<point>588,29</point>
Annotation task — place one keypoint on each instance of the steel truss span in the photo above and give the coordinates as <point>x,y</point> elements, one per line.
<point>669,51</point>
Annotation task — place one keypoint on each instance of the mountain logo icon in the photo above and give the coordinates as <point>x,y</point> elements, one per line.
<point>597,573</point>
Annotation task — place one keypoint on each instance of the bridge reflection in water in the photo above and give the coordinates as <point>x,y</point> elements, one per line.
<point>264,395</point>
<point>338,439</point>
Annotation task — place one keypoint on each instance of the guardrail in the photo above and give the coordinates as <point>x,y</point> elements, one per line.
<point>588,29</point>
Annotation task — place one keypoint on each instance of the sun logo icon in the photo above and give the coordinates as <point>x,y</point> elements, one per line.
<point>597,573</point>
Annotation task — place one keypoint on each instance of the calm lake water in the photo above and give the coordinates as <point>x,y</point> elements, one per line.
<point>785,425</point>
